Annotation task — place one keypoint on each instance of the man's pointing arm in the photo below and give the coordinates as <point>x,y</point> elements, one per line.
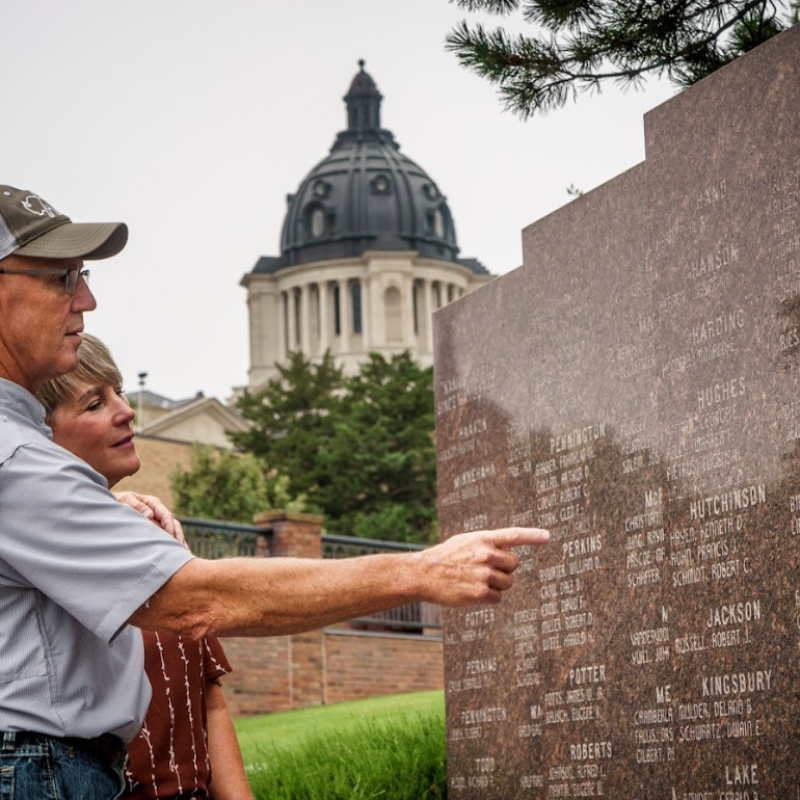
<point>278,596</point>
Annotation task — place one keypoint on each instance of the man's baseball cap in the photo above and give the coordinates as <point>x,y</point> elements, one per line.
<point>29,226</point>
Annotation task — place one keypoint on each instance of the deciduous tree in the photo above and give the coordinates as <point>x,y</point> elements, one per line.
<point>227,486</point>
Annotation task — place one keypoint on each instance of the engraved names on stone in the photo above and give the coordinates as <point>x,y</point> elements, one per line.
<point>633,389</point>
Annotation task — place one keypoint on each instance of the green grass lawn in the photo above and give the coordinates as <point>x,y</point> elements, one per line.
<point>293,727</point>
<point>385,748</point>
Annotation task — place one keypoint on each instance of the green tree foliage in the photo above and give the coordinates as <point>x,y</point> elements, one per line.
<point>379,467</point>
<point>293,418</point>
<point>228,486</point>
<point>580,44</point>
<point>360,449</point>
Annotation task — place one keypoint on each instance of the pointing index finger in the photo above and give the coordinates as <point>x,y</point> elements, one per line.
<point>515,537</point>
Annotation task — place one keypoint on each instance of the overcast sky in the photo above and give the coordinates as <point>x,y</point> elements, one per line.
<point>191,120</point>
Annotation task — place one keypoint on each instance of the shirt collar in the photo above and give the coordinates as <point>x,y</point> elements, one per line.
<point>22,403</point>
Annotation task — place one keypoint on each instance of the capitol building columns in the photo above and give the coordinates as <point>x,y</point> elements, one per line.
<point>291,304</point>
<point>426,318</point>
<point>366,314</point>
<point>383,303</point>
<point>324,318</point>
<point>343,316</point>
<point>305,319</point>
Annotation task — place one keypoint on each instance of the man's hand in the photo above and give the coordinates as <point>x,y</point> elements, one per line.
<point>152,508</point>
<point>475,567</point>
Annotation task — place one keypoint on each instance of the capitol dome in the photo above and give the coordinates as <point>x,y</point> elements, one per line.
<point>368,253</point>
<point>366,195</point>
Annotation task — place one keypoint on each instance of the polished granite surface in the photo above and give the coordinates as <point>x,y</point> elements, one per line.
<point>633,387</point>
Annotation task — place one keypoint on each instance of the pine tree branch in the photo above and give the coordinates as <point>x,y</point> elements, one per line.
<point>499,7</point>
<point>681,39</point>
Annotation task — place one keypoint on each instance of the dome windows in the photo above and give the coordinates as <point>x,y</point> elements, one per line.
<point>316,221</point>
<point>317,224</point>
<point>321,189</point>
<point>437,222</point>
<point>430,191</point>
<point>380,184</point>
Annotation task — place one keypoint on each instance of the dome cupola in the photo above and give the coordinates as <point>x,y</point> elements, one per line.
<point>366,195</point>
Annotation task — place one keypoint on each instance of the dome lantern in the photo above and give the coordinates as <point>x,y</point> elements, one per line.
<point>366,195</point>
<point>363,104</point>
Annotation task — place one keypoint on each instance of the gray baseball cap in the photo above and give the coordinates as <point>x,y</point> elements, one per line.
<point>29,226</point>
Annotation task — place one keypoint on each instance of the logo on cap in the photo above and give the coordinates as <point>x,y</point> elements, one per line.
<point>35,205</point>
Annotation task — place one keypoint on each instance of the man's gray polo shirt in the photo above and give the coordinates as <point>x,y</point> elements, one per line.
<point>74,565</point>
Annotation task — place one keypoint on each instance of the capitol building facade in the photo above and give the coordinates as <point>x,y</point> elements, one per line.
<point>368,253</point>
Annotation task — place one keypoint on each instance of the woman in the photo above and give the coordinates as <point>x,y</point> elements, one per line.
<point>187,746</point>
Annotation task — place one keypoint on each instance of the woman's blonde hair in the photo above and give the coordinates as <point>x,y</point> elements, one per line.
<point>96,367</point>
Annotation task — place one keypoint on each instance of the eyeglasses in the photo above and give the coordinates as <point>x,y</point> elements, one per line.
<point>69,276</point>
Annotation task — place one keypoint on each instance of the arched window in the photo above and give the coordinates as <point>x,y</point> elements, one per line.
<point>317,223</point>
<point>439,229</point>
<point>314,222</point>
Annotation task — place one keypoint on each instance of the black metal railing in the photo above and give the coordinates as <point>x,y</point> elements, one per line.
<point>215,539</point>
<point>408,618</point>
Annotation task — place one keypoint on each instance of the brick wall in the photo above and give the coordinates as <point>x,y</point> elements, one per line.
<point>159,459</point>
<point>259,683</point>
<point>361,664</point>
<point>329,666</point>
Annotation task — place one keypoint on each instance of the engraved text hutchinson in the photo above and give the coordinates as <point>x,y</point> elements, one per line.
<point>724,503</point>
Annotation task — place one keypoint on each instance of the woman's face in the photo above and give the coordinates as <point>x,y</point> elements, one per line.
<point>97,426</point>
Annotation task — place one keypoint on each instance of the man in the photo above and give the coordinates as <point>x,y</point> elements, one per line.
<point>77,569</point>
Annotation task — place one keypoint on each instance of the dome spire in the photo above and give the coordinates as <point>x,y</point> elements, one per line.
<point>363,103</point>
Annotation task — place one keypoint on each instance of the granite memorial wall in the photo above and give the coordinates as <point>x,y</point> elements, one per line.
<point>633,387</point>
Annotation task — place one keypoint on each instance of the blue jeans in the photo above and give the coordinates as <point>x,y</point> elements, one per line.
<point>38,767</point>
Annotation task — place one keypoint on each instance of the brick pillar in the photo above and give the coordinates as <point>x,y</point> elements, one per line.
<point>300,536</point>
<point>295,535</point>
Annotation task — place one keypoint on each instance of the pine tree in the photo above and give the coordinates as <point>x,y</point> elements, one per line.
<point>293,418</point>
<point>360,449</point>
<point>585,43</point>
<point>380,463</point>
